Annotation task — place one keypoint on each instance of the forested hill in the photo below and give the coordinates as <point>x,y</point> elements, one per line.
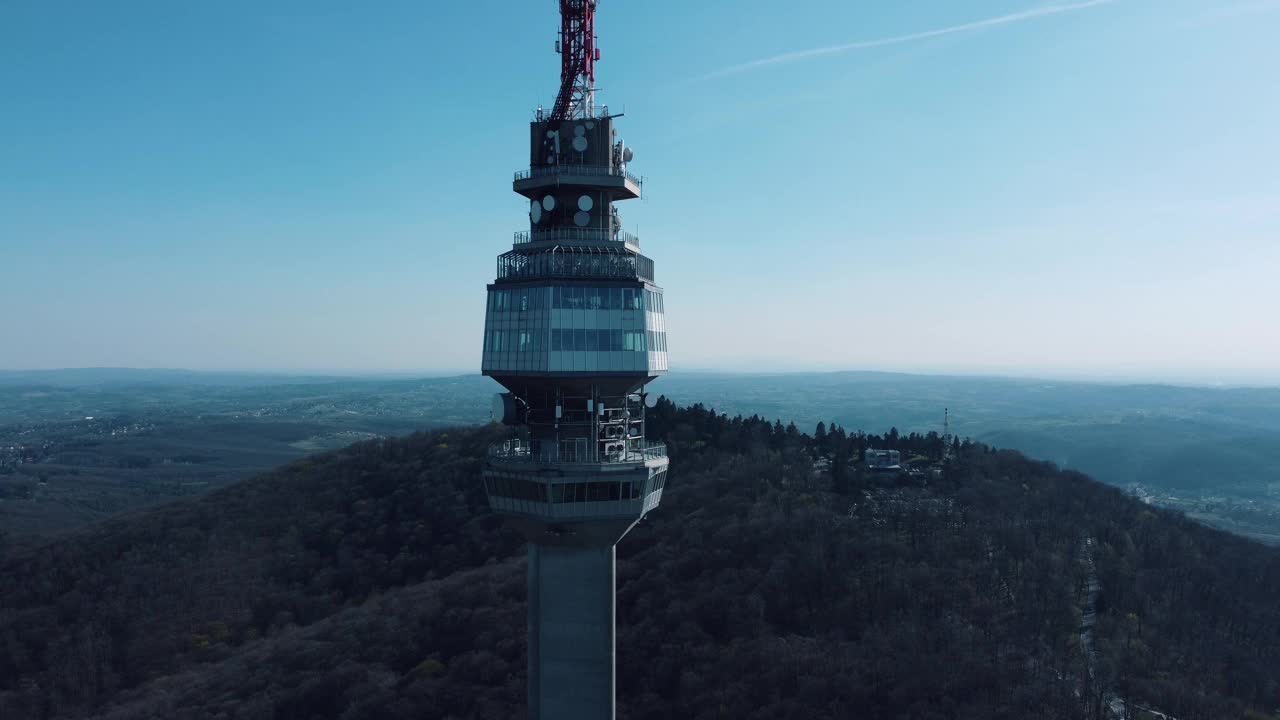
<point>372,582</point>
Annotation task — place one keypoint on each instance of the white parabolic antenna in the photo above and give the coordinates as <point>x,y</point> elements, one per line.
<point>581,219</point>
<point>535,211</point>
<point>585,203</point>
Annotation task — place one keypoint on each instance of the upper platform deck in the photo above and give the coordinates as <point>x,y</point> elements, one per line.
<point>534,182</point>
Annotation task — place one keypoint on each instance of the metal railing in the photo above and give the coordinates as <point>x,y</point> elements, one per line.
<point>551,170</point>
<point>575,262</point>
<point>521,451</point>
<point>599,112</point>
<point>575,234</point>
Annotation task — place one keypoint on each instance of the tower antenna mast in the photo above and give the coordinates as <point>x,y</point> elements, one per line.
<point>946,433</point>
<point>578,57</point>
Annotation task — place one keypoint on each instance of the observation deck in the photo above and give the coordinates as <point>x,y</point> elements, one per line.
<point>533,182</point>
<point>549,486</point>
<point>574,262</point>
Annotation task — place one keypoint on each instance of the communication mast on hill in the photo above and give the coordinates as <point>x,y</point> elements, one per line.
<point>574,330</point>
<point>946,433</point>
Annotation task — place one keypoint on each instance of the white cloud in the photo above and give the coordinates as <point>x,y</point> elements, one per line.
<point>912,37</point>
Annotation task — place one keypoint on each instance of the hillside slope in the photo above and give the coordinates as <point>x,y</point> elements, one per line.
<point>371,582</point>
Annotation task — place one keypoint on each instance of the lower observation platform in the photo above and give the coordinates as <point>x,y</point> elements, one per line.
<point>576,501</point>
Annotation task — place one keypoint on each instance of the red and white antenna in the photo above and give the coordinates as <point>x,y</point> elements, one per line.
<point>578,56</point>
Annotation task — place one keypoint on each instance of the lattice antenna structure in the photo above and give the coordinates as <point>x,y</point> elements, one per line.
<point>578,58</point>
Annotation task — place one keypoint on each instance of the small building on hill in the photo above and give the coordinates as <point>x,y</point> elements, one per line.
<point>884,460</point>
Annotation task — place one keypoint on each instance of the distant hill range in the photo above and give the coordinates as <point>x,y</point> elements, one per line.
<point>90,377</point>
<point>780,579</point>
<point>1211,452</point>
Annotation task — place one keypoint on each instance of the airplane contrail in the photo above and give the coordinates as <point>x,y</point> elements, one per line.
<point>898,39</point>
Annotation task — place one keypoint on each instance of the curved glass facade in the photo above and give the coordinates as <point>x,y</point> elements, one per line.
<point>575,328</point>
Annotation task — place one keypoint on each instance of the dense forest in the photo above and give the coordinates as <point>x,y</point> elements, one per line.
<point>779,579</point>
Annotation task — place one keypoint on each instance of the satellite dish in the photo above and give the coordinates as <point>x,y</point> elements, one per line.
<point>549,203</point>
<point>579,131</point>
<point>591,124</point>
<point>585,203</point>
<point>580,144</point>
<point>551,133</point>
<point>627,155</point>
<point>535,211</point>
<point>650,400</point>
<point>581,219</point>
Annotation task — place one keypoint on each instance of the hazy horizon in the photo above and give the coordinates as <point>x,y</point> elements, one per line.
<point>1202,379</point>
<point>999,187</point>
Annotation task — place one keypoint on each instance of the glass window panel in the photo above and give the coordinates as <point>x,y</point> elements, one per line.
<point>579,340</point>
<point>615,298</point>
<point>614,491</point>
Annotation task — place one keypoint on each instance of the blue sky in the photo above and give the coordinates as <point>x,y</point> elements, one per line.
<point>1085,188</point>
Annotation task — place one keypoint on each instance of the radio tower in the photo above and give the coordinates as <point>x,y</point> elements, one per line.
<point>573,331</point>
<point>946,434</point>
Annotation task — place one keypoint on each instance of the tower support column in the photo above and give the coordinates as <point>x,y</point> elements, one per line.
<point>571,632</point>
